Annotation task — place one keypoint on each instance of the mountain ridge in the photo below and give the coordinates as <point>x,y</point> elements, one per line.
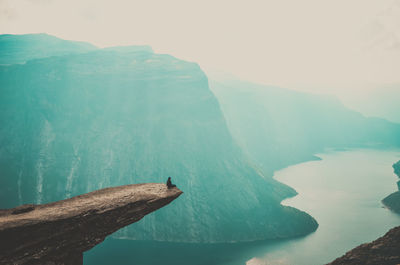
<point>278,127</point>
<point>76,123</point>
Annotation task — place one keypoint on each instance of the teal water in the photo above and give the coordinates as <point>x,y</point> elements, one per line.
<point>342,191</point>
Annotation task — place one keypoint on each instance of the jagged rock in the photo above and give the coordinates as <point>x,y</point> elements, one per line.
<point>383,251</point>
<point>59,232</point>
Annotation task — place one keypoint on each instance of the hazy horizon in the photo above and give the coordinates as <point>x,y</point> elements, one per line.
<point>259,111</point>
<point>349,49</point>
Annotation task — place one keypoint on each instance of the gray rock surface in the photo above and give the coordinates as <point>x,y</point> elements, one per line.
<point>59,232</point>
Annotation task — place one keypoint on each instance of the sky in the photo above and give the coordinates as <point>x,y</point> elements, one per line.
<point>342,47</point>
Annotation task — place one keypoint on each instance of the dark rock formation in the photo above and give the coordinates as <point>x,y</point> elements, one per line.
<point>59,232</point>
<point>396,167</point>
<point>383,251</point>
<point>393,200</point>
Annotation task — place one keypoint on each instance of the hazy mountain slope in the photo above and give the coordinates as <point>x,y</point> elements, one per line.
<point>382,101</point>
<point>81,122</point>
<point>278,127</point>
<point>21,48</point>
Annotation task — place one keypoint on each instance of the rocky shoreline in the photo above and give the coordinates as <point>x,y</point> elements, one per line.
<point>392,201</point>
<point>383,251</point>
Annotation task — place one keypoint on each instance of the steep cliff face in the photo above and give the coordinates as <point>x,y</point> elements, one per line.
<point>76,123</point>
<point>278,127</point>
<point>393,200</point>
<point>59,232</point>
<point>383,251</point>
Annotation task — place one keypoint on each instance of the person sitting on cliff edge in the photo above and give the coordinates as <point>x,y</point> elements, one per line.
<point>169,183</point>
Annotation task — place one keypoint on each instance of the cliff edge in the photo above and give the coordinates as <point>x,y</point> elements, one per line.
<point>383,251</point>
<point>59,232</point>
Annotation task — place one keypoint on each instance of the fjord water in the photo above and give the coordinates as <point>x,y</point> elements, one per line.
<point>342,191</point>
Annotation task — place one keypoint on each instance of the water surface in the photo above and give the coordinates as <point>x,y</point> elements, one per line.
<point>343,191</point>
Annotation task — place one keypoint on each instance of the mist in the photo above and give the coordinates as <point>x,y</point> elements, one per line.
<point>270,117</point>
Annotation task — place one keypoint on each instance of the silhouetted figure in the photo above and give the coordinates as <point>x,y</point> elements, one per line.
<point>169,183</point>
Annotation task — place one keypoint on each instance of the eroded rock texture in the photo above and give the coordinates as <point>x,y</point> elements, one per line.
<point>59,232</point>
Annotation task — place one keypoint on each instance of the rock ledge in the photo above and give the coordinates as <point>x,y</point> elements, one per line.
<point>59,232</point>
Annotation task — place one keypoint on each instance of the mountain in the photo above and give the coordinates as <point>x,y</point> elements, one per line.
<point>143,48</point>
<point>21,48</point>
<point>393,200</point>
<point>381,101</point>
<point>76,123</point>
<point>277,127</point>
<point>396,168</point>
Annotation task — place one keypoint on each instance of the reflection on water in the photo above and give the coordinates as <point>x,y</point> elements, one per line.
<point>342,191</point>
<point>124,252</point>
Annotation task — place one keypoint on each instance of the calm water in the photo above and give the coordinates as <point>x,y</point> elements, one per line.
<point>342,191</point>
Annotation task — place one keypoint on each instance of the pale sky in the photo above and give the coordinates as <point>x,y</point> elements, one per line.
<point>337,46</point>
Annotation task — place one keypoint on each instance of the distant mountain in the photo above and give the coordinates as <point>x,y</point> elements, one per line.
<point>382,101</point>
<point>72,124</point>
<point>277,127</point>
<point>21,48</point>
<point>143,48</point>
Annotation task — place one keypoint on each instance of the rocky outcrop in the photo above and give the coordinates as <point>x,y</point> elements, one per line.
<point>393,200</point>
<point>59,232</point>
<point>383,251</point>
<point>396,167</point>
